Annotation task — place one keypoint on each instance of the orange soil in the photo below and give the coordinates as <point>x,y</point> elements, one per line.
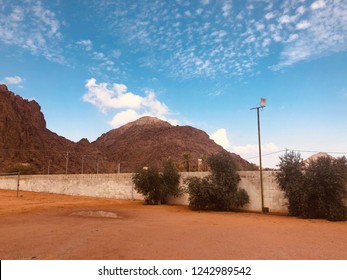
<point>50,226</point>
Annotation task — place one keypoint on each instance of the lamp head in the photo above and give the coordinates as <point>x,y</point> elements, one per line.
<point>262,102</point>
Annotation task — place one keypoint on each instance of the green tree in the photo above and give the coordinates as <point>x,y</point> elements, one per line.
<point>315,190</point>
<point>147,181</point>
<point>155,186</point>
<point>324,182</point>
<point>218,191</point>
<point>290,179</point>
<point>170,181</point>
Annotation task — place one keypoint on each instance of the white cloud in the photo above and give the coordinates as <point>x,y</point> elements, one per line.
<point>226,8</point>
<point>227,41</point>
<point>124,117</point>
<point>293,37</point>
<point>154,105</point>
<point>32,27</point>
<point>106,98</point>
<point>269,16</point>
<point>303,25</point>
<point>301,10</point>
<point>131,106</point>
<point>221,138</point>
<point>318,5</point>
<point>13,80</point>
<point>322,33</point>
<point>17,14</point>
<point>285,19</point>
<point>251,149</point>
<point>87,44</point>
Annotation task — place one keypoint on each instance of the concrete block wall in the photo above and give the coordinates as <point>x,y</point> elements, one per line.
<point>117,186</point>
<point>120,186</point>
<point>250,181</point>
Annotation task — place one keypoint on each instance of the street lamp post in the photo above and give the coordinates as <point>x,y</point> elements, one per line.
<point>262,105</point>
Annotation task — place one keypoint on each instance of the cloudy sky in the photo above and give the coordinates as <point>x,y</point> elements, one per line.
<point>96,65</point>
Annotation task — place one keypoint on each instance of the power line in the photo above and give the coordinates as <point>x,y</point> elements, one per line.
<point>299,151</point>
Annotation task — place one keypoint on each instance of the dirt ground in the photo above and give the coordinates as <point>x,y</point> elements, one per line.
<point>50,226</point>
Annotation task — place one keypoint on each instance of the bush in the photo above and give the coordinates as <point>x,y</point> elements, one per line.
<point>170,181</point>
<point>200,193</point>
<point>315,190</point>
<point>218,191</point>
<point>290,179</point>
<point>324,182</point>
<point>155,186</point>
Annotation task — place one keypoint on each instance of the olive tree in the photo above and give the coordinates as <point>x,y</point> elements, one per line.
<point>315,190</point>
<point>156,186</point>
<point>218,191</point>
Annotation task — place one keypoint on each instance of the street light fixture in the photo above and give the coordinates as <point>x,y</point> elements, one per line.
<point>262,105</point>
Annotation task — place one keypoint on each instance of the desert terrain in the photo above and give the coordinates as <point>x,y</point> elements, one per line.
<point>60,227</point>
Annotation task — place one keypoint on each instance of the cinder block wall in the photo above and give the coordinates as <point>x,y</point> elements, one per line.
<point>250,181</point>
<point>120,186</point>
<point>96,185</point>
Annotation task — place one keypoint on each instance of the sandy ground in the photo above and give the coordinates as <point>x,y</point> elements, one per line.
<point>49,226</point>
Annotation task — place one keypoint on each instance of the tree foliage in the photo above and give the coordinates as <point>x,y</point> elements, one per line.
<point>218,191</point>
<point>315,190</point>
<point>155,186</point>
<point>290,178</point>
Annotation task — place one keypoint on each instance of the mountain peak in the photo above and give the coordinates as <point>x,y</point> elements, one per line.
<point>147,120</point>
<point>3,88</point>
<point>147,141</point>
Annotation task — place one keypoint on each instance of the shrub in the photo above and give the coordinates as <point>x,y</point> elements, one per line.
<point>148,182</point>
<point>200,193</point>
<point>155,186</point>
<point>218,191</point>
<point>324,182</point>
<point>315,190</point>
<point>170,181</point>
<point>290,179</point>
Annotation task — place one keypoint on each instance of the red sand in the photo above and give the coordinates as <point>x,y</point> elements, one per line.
<point>49,226</point>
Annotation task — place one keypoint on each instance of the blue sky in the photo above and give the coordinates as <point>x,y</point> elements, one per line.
<point>96,65</point>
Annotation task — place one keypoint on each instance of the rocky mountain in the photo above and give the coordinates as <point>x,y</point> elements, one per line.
<point>25,140</point>
<point>316,156</point>
<point>150,141</point>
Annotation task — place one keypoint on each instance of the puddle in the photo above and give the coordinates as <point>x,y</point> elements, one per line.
<point>96,214</point>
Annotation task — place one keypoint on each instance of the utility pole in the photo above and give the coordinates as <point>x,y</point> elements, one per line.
<point>67,162</point>
<point>49,166</point>
<point>262,105</point>
<point>82,164</point>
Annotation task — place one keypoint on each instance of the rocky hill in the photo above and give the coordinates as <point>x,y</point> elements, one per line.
<point>25,140</point>
<point>150,141</point>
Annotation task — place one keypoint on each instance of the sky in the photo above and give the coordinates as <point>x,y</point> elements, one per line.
<point>97,65</point>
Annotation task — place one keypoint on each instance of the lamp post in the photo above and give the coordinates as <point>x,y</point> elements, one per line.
<point>262,105</point>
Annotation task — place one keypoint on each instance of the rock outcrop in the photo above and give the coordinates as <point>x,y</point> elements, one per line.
<point>25,139</point>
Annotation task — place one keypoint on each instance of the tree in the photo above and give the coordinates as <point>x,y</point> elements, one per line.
<point>315,190</point>
<point>325,180</point>
<point>218,191</point>
<point>155,186</point>
<point>290,179</point>
<point>148,182</point>
<point>170,181</point>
